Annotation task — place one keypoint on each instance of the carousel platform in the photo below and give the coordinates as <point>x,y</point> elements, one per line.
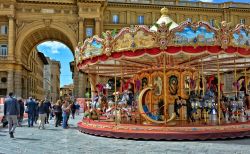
<point>160,132</point>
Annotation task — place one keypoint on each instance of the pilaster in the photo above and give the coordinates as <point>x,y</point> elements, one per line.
<point>128,18</point>
<point>10,82</point>
<point>11,38</point>
<point>18,83</point>
<point>97,26</point>
<point>81,28</point>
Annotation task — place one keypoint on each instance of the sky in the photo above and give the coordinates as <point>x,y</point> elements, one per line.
<point>60,52</point>
<point>221,1</point>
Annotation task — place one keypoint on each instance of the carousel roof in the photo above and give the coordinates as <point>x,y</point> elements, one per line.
<point>188,45</point>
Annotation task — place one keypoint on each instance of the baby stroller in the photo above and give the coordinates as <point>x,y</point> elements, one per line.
<point>4,121</point>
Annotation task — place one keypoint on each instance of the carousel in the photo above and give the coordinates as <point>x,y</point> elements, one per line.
<point>168,81</point>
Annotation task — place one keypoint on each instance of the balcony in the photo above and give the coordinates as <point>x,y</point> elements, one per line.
<point>3,57</point>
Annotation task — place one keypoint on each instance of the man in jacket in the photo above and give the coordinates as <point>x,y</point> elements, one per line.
<point>31,105</point>
<point>11,111</point>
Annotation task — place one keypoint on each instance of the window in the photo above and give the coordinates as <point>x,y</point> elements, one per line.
<point>242,21</point>
<point>189,19</point>
<point>3,50</point>
<point>211,21</point>
<point>89,31</point>
<point>115,19</point>
<point>4,30</point>
<point>140,20</point>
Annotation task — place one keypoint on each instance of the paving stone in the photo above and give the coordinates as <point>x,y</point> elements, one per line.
<point>55,140</point>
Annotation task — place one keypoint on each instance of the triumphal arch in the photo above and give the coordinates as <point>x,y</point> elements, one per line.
<point>31,22</point>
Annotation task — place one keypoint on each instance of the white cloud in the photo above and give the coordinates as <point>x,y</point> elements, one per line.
<point>54,46</point>
<point>206,0</point>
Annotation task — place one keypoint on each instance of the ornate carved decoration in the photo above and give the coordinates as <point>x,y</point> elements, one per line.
<point>74,27</point>
<point>47,22</point>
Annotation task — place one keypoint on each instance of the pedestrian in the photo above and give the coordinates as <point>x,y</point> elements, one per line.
<point>42,111</point>
<point>77,108</point>
<point>47,102</point>
<point>11,112</point>
<point>65,112</point>
<point>36,113</point>
<point>31,110</point>
<point>21,105</point>
<point>58,113</point>
<point>73,110</point>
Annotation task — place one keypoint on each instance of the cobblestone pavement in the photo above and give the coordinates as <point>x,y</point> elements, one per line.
<point>56,140</point>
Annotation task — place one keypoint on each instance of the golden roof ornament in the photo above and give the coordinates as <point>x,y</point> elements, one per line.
<point>164,11</point>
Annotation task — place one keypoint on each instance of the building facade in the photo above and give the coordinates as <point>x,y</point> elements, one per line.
<point>67,90</point>
<point>41,63</point>
<point>51,80</point>
<point>55,80</point>
<point>26,23</point>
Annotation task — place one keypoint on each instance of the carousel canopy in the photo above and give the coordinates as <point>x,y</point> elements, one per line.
<point>164,20</point>
<point>137,48</point>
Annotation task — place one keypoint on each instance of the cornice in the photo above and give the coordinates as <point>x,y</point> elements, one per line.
<point>176,7</point>
<point>60,2</point>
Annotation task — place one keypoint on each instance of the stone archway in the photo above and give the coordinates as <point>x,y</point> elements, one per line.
<point>38,32</point>
<point>28,38</point>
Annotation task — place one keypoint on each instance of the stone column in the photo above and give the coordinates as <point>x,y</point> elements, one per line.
<point>76,85</point>
<point>97,26</point>
<point>10,82</point>
<point>11,38</point>
<point>177,18</point>
<point>25,88</point>
<point>153,17</point>
<point>81,30</point>
<point>18,83</point>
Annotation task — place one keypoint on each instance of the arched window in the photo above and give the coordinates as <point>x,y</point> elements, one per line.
<point>4,29</point>
<point>242,21</point>
<point>140,20</point>
<point>211,21</point>
<point>115,19</point>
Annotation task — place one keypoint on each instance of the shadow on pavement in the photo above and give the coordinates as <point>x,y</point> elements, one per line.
<point>27,139</point>
<point>2,135</point>
<point>53,129</point>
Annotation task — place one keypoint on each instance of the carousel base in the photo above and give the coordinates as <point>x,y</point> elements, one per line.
<point>152,132</point>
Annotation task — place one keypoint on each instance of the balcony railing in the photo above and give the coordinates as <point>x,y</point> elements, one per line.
<point>3,57</point>
<point>186,3</point>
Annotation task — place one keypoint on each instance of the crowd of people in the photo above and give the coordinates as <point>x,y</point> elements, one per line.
<point>38,111</point>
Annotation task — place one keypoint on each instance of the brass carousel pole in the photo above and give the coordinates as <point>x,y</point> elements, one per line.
<point>189,82</point>
<point>218,74</point>
<point>165,87</point>
<point>202,74</point>
<point>245,72</point>
<point>115,98</point>
<point>122,78</point>
<point>235,77</point>
<point>198,77</point>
